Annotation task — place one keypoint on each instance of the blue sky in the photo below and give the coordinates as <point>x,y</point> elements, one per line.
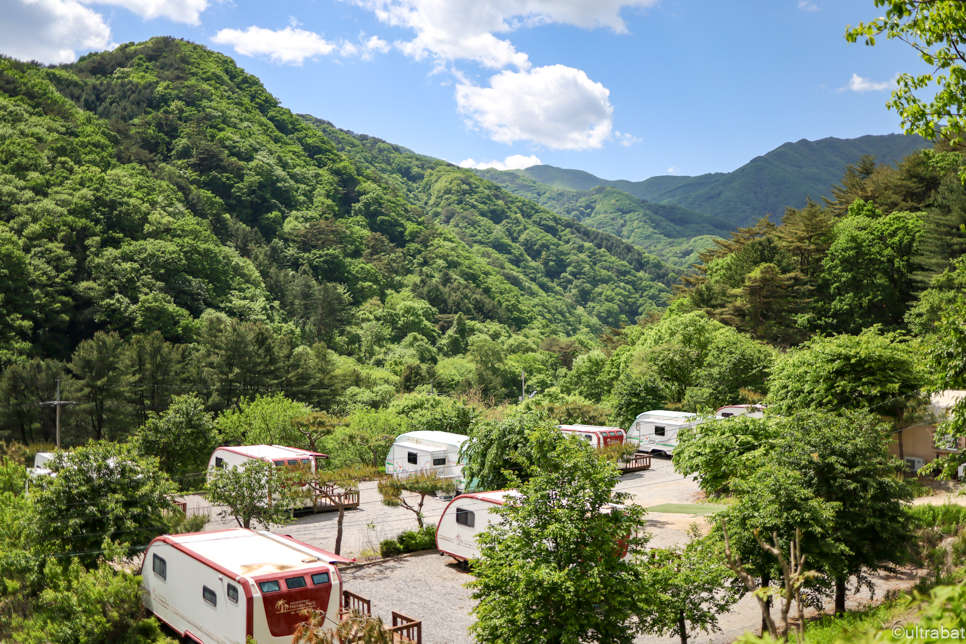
<point>624,89</point>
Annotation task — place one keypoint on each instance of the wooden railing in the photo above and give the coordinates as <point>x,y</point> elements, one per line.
<point>353,602</point>
<point>635,462</point>
<point>332,497</point>
<point>406,628</point>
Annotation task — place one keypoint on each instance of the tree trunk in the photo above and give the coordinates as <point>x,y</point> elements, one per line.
<point>765,582</point>
<point>683,628</point>
<point>338,531</point>
<point>840,595</point>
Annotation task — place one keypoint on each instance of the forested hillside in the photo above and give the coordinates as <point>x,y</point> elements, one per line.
<point>675,235</point>
<point>885,253</point>
<point>157,193</point>
<point>785,177</point>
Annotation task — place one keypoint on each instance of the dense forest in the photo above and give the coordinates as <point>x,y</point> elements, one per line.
<point>157,195</point>
<point>169,229</point>
<point>189,264</point>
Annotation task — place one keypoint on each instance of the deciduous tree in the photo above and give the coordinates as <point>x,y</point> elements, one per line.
<point>553,569</point>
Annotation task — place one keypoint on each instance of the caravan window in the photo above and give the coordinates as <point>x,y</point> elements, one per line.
<point>269,586</point>
<point>305,462</point>
<point>209,595</point>
<point>439,461</point>
<point>160,567</point>
<point>465,517</point>
<point>219,461</point>
<point>279,463</point>
<point>320,578</point>
<point>412,458</point>
<point>295,582</point>
<point>727,414</point>
<point>233,593</point>
<point>294,461</point>
<point>588,437</point>
<point>658,430</point>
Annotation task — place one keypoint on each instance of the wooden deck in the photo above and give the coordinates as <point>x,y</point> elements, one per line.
<point>404,629</point>
<point>635,463</point>
<point>328,498</point>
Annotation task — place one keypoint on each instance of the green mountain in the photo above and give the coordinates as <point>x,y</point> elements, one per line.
<point>674,234</point>
<point>160,188</point>
<point>785,177</point>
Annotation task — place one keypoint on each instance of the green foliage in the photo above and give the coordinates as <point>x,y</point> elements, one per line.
<point>102,493</point>
<point>934,30</point>
<point>422,484</point>
<point>498,447</point>
<point>366,439</point>
<point>265,420</point>
<point>558,552</point>
<point>100,606</point>
<point>258,493</point>
<point>829,475</point>
<point>695,588</point>
<point>720,451</point>
<point>182,439</point>
<point>435,413</point>
<point>684,358</point>
<point>870,371</point>
<point>409,541</point>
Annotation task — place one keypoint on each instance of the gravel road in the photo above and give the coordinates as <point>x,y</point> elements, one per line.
<point>429,587</point>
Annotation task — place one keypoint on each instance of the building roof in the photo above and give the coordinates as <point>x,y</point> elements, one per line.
<point>445,438</point>
<point>253,552</point>
<point>270,451</point>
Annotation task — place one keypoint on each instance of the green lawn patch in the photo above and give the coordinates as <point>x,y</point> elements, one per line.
<point>700,509</point>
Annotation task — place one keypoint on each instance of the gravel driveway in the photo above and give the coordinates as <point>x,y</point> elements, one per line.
<point>429,587</point>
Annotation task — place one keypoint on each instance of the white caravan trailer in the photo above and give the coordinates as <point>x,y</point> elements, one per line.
<point>656,431</point>
<point>289,457</point>
<point>751,411</point>
<point>426,451</point>
<point>465,517</point>
<point>231,585</point>
<point>596,436</point>
<point>468,515</point>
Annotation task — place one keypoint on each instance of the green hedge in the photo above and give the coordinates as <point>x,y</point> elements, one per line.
<point>409,541</point>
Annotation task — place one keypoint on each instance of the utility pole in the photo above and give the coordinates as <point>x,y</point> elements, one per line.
<point>58,404</point>
<point>523,385</point>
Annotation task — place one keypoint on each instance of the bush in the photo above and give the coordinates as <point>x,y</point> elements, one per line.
<point>409,541</point>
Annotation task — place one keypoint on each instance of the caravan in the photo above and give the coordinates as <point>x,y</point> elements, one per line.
<point>426,451</point>
<point>465,517</point>
<point>595,435</point>
<point>468,515</point>
<point>656,431</point>
<point>280,456</point>
<point>231,585</point>
<point>730,411</point>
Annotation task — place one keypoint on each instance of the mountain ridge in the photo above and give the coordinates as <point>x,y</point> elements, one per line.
<point>767,184</point>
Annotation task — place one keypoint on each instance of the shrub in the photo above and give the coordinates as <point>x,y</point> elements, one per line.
<point>409,541</point>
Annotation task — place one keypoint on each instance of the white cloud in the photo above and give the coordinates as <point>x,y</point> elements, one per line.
<point>859,84</point>
<point>187,11</point>
<point>512,162</point>
<point>673,170</point>
<point>465,30</point>
<point>805,5</point>
<point>285,46</point>
<point>625,139</point>
<point>291,46</point>
<point>557,106</point>
<point>50,31</point>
